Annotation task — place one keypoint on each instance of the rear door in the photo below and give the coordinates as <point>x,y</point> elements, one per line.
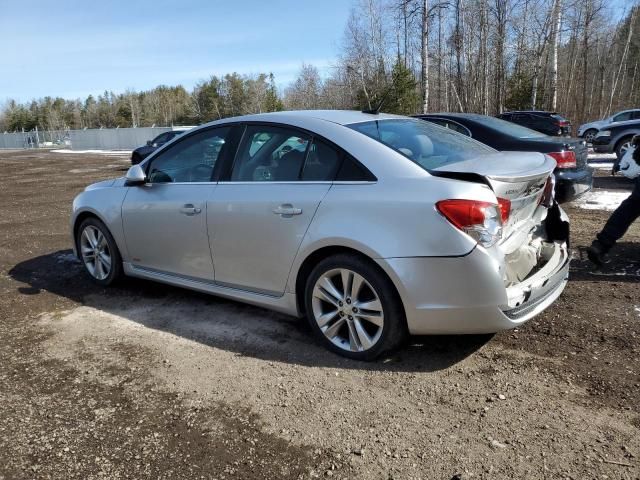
<point>259,214</point>
<point>165,220</point>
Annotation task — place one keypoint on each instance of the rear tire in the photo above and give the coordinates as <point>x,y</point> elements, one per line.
<point>353,308</point>
<point>98,252</point>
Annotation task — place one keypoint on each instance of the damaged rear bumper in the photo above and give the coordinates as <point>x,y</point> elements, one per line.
<point>468,294</point>
<point>528,298</point>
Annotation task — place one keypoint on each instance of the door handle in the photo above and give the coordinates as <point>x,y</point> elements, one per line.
<point>287,210</point>
<point>189,209</point>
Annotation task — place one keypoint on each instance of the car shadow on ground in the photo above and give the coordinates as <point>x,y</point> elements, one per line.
<point>624,265</point>
<point>617,182</point>
<point>225,324</point>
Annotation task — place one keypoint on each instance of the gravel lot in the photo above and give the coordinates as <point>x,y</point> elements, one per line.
<point>150,381</point>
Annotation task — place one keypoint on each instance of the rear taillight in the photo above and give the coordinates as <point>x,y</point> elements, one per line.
<point>563,124</point>
<point>482,221</point>
<point>564,159</point>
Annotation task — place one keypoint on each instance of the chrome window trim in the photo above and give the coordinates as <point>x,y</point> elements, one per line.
<point>279,182</point>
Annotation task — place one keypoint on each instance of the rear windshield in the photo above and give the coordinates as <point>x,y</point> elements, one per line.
<point>426,144</point>
<point>508,128</point>
<point>559,117</point>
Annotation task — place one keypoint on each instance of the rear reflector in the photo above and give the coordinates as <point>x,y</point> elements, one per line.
<point>505,209</point>
<point>564,159</point>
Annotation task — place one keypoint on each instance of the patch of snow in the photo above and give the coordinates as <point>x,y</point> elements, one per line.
<point>601,156</point>
<point>601,166</point>
<point>601,200</point>
<point>96,152</point>
<point>66,258</point>
<point>601,161</point>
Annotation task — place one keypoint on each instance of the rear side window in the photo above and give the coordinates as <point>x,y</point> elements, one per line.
<point>322,162</point>
<point>352,171</point>
<point>426,144</point>
<point>270,154</point>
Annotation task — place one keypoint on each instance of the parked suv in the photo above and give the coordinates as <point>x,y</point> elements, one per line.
<point>143,152</point>
<point>588,130</point>
<point>616,138</point>
<point>549,123</point>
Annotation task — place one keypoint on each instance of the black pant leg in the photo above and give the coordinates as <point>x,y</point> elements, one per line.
<point>621,219</point>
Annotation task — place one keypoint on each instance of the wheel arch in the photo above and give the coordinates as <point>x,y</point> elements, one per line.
<point>81,217</point>
<point>621,139</point>
<point>319,254</point>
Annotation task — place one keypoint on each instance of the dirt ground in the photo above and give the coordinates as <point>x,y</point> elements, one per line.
<point>150,381</point>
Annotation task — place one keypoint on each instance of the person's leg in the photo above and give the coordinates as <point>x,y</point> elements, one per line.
<point>621,219</point>
<point>616,226</point>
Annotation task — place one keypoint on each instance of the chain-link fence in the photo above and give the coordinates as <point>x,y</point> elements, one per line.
<point>88,139</point>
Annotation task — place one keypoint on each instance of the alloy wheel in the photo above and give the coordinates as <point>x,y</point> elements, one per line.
<point>589,136</point>
<point>624,147</point>
<point>348,310</point>
<point>95,252</point>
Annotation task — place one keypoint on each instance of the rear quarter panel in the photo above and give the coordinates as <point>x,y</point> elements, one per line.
<point>390,219</point>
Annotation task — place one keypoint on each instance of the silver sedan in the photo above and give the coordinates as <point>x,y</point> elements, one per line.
<point>372,226</point>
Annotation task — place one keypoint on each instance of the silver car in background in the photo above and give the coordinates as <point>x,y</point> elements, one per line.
<point>588,131</point>
<point>373,226</point>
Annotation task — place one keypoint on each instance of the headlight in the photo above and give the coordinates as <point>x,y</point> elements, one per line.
<point>604,133</point>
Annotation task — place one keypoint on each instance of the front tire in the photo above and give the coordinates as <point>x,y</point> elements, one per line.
<point>622,146</point>
<point>589,135</point>
<point>353,308</point>
<point>98,252</point>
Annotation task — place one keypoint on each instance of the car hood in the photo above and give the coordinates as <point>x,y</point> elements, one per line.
<point>113,182</point>
<point>597,124</point>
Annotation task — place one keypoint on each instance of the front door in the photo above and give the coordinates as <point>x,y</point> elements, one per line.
<point>165,220</point>
<point>259,216</point>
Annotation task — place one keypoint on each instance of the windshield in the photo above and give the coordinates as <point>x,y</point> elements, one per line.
<point>426,144</point>
<point>508,128</point>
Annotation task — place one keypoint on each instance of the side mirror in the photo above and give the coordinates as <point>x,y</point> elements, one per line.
<point>135,176</point>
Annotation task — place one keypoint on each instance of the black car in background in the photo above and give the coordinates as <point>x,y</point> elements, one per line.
<point>141,153</point>
<point>549,123</point>
<point>616,138</point>
<point>573,175</point>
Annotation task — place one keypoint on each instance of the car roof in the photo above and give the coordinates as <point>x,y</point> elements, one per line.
<point>543,112</point>
<point>341,117</point>
<point>469,116</point>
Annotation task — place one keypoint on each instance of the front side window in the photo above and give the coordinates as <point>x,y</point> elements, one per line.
<point>426,144</point>
<point>270,154</point>
<point>622,117</point>
<point>191,159</point>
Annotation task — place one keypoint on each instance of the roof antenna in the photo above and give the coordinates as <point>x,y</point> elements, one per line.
<point>376,111</point>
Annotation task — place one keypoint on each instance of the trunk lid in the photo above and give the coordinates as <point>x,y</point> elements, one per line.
<point>519,177</point>
<point>579,147</point>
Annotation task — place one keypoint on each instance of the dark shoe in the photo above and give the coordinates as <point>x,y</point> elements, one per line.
<point>597,253</point>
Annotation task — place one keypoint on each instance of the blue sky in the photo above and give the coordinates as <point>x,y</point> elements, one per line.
<point>74,48</point>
